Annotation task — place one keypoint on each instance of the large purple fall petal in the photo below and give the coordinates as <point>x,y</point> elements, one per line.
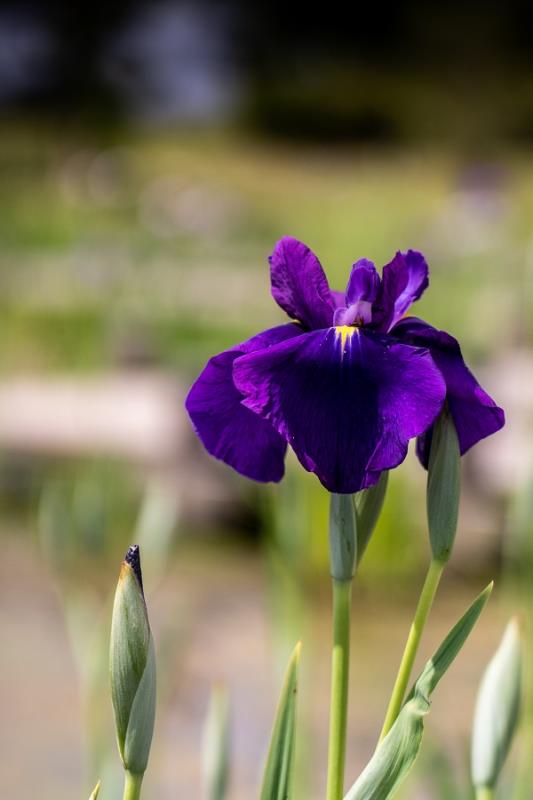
<point>474,413</point>
<point>404,280</point>
<point>227,429</point>
<point>299,284</point>
<point>347,401</point>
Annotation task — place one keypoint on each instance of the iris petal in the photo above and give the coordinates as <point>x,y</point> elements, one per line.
<point>347,401</point>
<point>361,292</point>
<point>363,283</point>
<point>404,280</point>
<point>299,284</point>
<point>227,429</point>
<point>474,412</point>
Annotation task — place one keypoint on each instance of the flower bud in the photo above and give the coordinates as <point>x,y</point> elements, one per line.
<point>132,667</point>
<point>497,709</point>
<point>444,486</point>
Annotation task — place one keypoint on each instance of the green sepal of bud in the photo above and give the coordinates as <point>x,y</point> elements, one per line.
<point>368,505</point>
<point>497,709</point>
<point>132,667</point>
<point>342,537</point>
<point>443,487</point>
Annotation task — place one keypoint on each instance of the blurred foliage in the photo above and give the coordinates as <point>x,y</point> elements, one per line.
<point>159,244</point>
<point>122,248</point>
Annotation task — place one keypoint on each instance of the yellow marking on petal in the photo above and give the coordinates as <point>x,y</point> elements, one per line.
<point>345,332</point>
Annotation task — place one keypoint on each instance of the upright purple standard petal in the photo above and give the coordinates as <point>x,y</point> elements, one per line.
<point>363,283</point>
<point>227,429</point>
<point>299,284</point>
<point>474,413</point>
<point>361,292</point>
<point>404,280</point>
<point>346,400</point>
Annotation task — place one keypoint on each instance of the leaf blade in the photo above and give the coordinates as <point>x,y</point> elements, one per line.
<point>396,754</point>
<point>279,765</point>
<point>216,745</point>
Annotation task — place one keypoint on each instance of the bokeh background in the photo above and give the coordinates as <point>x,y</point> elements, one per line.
<point>151,153</point>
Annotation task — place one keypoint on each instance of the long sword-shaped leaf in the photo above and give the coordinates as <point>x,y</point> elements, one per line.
<point>397,752</point>
<point>279,766</point>
<point>95,792</point>
<point>216,745</point>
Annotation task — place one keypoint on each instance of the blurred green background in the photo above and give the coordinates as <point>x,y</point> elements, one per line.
<point>150,157</point>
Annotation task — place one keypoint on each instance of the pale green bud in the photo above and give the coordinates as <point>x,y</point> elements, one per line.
<point>132,667</point>
<point>444,486</point>
<point>497,709</point>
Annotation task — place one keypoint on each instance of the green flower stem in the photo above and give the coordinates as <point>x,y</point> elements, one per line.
<point>484,793</point>
<point>340,665</point>
<point>423,608</point>
<point>132,786</point>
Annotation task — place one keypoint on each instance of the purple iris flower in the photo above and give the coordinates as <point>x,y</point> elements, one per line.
<point>347,383</point>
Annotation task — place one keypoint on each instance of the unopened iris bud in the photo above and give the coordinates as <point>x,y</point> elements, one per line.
<point>132,667</point>
<point>444,486</point>
<point>497,709</point>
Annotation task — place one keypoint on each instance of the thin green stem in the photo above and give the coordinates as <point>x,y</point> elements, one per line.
<point>484,793</point>
<point>423,608</point>
<point>340,666</point>
<point>132,786</point>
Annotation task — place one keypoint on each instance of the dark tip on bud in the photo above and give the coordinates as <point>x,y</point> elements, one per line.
<point>133,558</point>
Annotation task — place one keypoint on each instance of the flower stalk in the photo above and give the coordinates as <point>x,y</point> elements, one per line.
<point>423,608</point>
<point>340,668</point>
<point>343,560</point>
<point>442,501</point>
<point>132,786</point>
<point>484,793</point>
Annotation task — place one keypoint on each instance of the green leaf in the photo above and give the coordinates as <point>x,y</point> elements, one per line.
<point>95,792</point>
<point>497,709</point>
<point>216,746</point>
<point>444,486</point>
<point>368,505</point>
<point>451,646</point>
<point>279,766</point>
<point>396,754</point>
